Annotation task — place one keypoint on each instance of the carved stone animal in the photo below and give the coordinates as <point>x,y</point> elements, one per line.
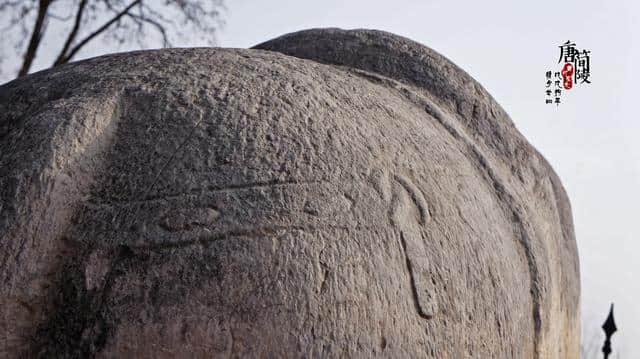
<point>328,193</point>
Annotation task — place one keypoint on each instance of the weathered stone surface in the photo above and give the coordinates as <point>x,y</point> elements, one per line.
<point>362,197</point>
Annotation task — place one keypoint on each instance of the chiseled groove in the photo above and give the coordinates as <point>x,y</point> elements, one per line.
<point>414,289</point>
<point>166,164</point>
<point>416,197</point>
<point>516,210</point>
<point>517,213</point>
<point>204,239</point>
<point>209,189</point>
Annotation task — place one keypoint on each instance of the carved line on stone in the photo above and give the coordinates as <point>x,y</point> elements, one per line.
<point>129,211</point>
<point>401,219</point>
<point>205,191</point>
<point>416,196</point>
<point>414,289</point>
<point>182,219</point>
<point>167,163</point>
<point>514,209</point>
<point>205,237</point>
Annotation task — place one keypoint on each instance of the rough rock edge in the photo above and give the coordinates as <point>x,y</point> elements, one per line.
<point>473,121</point>
<point>371,52</point>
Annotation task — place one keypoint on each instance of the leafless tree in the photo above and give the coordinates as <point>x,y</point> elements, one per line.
<point>122,21</point>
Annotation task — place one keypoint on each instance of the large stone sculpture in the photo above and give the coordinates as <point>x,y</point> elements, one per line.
<point>329,193</point>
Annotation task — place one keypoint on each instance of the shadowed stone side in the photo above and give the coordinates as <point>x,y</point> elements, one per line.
<point>343,194</point>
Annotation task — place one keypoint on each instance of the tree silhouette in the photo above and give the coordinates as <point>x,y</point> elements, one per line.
<point>122,21</point>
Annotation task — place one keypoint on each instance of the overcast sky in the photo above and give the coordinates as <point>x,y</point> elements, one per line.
<point>591,139</point>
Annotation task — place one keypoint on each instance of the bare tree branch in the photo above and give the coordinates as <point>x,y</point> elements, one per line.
<point>161,29</point>
<point>36,36</point>
<point>25,25</point>
<point>73,33</point>
<point>102,28</point>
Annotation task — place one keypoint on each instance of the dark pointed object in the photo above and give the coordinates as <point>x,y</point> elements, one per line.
<point>609,328</point>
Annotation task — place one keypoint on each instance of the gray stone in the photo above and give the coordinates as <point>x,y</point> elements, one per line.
<point>328,193</point>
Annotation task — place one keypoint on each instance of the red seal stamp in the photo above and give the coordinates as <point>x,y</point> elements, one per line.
<point>567,76</point>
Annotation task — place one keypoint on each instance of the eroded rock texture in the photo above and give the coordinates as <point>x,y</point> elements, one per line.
<point>329,193</point>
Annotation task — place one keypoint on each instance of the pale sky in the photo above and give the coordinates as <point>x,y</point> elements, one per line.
<point>591,139</point>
